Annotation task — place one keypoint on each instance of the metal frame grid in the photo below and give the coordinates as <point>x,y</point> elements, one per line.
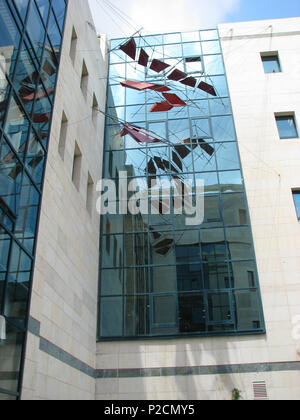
<point>114,107</point>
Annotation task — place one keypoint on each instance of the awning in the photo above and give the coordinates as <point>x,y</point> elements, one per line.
<point>174,99</point>
<point>161,107</point>
<point>207,88</point>
<point>177,75</point>
<point>158,66</point>
<point>144,58</point>
<point>129,48</point>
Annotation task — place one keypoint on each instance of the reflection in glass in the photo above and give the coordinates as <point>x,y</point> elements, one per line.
<point>35,30</point>
<point>18,285</point>
<point>192,313</point>
<point>136,315</point>
<point>11,353</point>
<point>27,214</point>
<point>240,243</point>
<point>247,307</point>
<point>112,282</point>
<point>111,315</point>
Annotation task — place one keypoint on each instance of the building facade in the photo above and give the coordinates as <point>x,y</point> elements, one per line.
<point>146,306</point>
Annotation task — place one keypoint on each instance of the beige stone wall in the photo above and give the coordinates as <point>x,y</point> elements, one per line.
<point>271,165</point>
<point>271,169</point>
<point>65,284</point>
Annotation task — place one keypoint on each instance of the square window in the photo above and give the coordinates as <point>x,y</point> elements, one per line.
<point>296,196</point>
<point>271,62</point>
<point>286,126</point>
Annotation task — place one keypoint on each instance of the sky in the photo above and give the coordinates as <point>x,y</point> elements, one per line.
<point>121,18</point>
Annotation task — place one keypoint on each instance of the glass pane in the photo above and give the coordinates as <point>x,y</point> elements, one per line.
<point>163,279</point>
<point>220,106</point>
<point>212,212</point>
<point>59,8</point>
<point>219,307</point>
<point>179,130</point>
<point>35,159</point>
<point>9,42</point>
<point>22,7</point>
<point>286,127</point>
<point>244,274</point>
<point>189,276</point>
<point>214,247</point>
<point>112,282</point>
<point>201,128</point>
<point>210,179</point>
<point>192,313</point>
<point>43,6</point>
<point>296,196</point>
<point>240,243</point>
<point>136,249</point>
<point>211,47</point>
<point>27,214</point>
<point>137,315</point>
<point>174,50</point>
<point>204,157</point>
<point>113,139</point>
<point>207,35</point>
<point>5,242</point>
<point>10,357</point>
<point>172,38</point>
<point>220,85</point>
<point>112,251</point>
<point>223,129</point>
<point>247,307</point>
<point>271,64</point>
<point>111,316</point>
<point>191,49</point>
<point>164,310</point>
<point>213,64</point>
<point>18,285</point>
<point>136,280</point>
<point>190,36</point>
<point>216,276</point>
<point>231,181</point>
<point>10,176</point>
<point>36,30</point>
<point>234,209</point>
<point>53,32</point>
<point>227,156</point>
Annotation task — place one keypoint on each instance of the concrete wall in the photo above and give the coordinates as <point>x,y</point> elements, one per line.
<point>60,356</point>
<point>210,368</point>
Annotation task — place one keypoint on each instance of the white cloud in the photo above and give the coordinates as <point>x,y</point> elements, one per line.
<point>159,16</point>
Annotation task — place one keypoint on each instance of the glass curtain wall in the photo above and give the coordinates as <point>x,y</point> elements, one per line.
<point>160,277</point>
<point>30,41</point>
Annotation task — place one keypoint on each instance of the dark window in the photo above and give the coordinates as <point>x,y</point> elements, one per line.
<point>287,126</point>
<point>296,195</point>
<point>271,63</point>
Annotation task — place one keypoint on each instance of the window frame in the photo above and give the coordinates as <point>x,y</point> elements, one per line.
<point>285,116</point>
<point>267,56</point>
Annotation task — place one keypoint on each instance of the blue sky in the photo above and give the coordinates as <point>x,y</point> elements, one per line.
<point>264,9</point>
<point>121,18</point>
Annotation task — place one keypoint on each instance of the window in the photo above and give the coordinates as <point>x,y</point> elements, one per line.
<point>73,45</point>
<point>286,126</point>
<point>90,194</point>
<point>95,112</point>
<point>76,166</point>
<point>84,80</point>
<point>63,136</point>
<point>296,195</point>
<point>271,62</point>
